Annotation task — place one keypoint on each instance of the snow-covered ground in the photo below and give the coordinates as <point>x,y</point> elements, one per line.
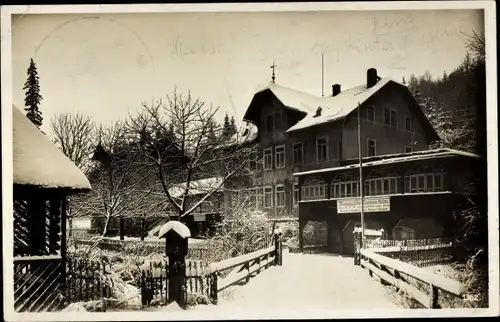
<point>311,283</point>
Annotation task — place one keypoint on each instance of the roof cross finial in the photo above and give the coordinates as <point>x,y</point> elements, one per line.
<point>273,66</point>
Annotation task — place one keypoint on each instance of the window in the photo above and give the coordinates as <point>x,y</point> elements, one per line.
<point>408,125</point>
<point>253,161</point>
<point>258,198</point>
<point>370,114</point>
<point>278,120</point>
<point>322,149</point>
<point>428,182</point>
<point>298,153</point>
<point>279,154</point>
<point>314,189</point>
<point>390,118</point>
<point>268,159</point>
<point>372,147</point>
<point>408,149</point>
<point>280,196</point>
<point>387,117</point>
<point>382,186</point>
<point>394,119</point>
<point>269,123</point>
<point>268,197</point>
<point>252,198</point>
<point>274,121</point>
<point>295,195</point>
<point>345,189</point>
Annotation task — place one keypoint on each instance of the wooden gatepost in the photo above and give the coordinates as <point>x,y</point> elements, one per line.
<point>176,236</point>
<point>43,179</point>
<point>358,244</point>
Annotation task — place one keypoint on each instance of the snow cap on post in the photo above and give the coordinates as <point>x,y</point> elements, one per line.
<point>177,226</point>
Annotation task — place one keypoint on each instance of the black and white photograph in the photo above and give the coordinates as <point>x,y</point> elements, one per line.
<point>249,161</point>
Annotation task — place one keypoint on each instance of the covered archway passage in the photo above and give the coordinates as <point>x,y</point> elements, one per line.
<point>43,179</point>
<point>408,195</point>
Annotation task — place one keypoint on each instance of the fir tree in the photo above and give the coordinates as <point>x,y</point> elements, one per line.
<point>445,77</point>
<point>212,129</point>
<point>33,98</point>
<point>226,127</point>
<point>232,126</point>
<point>404,81</point>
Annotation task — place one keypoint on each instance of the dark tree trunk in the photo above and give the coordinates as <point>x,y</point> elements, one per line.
<point>122,229</point>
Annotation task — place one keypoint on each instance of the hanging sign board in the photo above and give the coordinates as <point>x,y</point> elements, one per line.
<point>199,217</point>
<point>371,204</point>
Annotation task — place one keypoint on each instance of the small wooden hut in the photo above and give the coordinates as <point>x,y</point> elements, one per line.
<point>43,179</point>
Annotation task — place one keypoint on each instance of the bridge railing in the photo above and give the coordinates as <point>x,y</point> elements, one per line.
<point>244,267</point>
<point>425,287</point>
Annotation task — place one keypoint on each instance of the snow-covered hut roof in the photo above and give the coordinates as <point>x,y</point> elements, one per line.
<point>396,158</point>
<point>341,105</point>
<point>38,162</point>
<point>197,187</point>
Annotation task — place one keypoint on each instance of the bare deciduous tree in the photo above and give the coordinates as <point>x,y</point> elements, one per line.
<point>176,139</point>
<point>74,133</point>
<point>120,184</point>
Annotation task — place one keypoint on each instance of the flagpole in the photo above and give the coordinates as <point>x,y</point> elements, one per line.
<point>361,180</point>
<point>322,74</point>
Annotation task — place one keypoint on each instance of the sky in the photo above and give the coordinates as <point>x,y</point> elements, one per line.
<point>106,65</point>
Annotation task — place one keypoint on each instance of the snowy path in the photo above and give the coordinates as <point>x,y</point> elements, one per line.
<point>304,286</point>
<point>320,281</point>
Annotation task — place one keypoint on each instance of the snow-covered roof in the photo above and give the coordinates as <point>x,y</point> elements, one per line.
<point>38,162</point>
<point>339,106</point>
<point>246,134</point>
<point>396,158</point>
<point>196,187</point>
<point>294,99</point>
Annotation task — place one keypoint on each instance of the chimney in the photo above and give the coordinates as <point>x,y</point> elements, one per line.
<point>371,77</point>
<point>336,89</point>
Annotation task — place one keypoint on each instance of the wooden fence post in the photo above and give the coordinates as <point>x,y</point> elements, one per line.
<point>357,248</point>
<point>433,297</point>
<point>176,248</point>
<point>213,288</point>
<point>278,251</point>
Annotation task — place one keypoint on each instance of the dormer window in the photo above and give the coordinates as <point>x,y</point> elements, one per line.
<point>274,121</point>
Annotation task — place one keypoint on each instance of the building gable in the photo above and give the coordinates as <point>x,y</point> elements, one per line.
<point>397,97</point>
<point>298,104</point>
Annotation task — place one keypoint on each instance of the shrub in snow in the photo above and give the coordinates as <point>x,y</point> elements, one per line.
<point>241,234</point>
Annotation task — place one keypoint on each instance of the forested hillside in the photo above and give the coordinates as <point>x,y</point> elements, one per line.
<point>455,102</point>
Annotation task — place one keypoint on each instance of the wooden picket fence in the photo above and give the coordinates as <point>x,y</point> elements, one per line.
<point>154,281</point>
<point>418,252</point>
<point>206,281</point>
<point>86,281</point>
<point>309,249</point>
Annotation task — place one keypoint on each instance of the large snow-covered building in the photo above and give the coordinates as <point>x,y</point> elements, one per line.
<point>309,152</point>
